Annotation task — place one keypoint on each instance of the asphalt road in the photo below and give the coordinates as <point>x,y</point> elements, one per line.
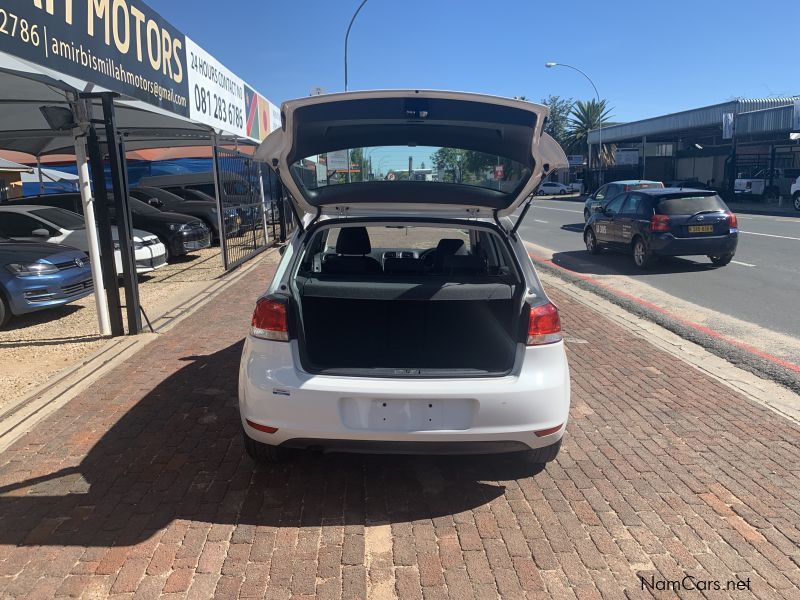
<point>761,285</point>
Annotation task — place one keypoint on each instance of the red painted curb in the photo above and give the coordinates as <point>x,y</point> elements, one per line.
<point>650,306</point>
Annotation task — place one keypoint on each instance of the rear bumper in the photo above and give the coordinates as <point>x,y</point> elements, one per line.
<point>669,245</point>
<point>451,416</point>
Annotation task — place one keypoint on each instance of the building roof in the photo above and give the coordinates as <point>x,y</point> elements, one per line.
<point>696,118</point>
<point>7,165</point>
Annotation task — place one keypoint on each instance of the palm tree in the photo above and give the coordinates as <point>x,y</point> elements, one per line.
<point>586,116</point>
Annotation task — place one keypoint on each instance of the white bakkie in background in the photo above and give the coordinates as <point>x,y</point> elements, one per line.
<point>406,316</point>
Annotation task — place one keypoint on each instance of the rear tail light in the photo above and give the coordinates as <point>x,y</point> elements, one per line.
<point>270,321</point>
<point>659,223</point>
<point>544,325</point>
<point>749,185</point>
<point>733,222</point>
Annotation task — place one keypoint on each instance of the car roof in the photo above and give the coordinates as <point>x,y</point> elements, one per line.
<point>671,191</point>
<point>633,181</point>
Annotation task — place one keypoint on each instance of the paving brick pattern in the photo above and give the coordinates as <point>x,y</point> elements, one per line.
<point>139,488</point>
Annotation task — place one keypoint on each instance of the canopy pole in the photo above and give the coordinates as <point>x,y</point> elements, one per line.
<point>101,303</point>
<point>39,170</point>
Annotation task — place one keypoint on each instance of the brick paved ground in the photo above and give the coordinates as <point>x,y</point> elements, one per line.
<point>139,487</point>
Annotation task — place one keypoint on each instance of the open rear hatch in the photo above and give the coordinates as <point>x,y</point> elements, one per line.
<point>501,141</point>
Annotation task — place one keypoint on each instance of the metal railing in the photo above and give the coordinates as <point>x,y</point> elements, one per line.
<point>252,207</point>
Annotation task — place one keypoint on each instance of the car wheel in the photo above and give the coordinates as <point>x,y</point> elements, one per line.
<point>797,201</point>
<point>263,453</point>
<point>562,192</point>
<point>641,254</point>
<point>5,311</point>
<point>721,261</point>
<point>542,192</point>
<point>540,456</point>
<point>590,239</point>
<point>771,193</point>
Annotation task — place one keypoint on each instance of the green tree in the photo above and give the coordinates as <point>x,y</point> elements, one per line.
<point>558,121</point>
<point>357,165</point>
<point>585,117</point>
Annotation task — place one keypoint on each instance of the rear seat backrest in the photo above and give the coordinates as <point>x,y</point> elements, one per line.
<point>392,266</point>
<point>466,264</point>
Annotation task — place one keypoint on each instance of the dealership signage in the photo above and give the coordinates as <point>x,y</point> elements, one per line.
<point>125,46</point>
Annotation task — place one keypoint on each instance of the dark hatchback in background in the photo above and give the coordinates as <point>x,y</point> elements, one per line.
<point>665,222</point>
<point>195,204</point>
<point>179,233</point>
<point>35,276</point>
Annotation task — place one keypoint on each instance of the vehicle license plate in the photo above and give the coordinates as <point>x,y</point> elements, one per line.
<point>701,228</point>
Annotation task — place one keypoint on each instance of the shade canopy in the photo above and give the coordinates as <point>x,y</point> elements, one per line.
<point>25,88</point>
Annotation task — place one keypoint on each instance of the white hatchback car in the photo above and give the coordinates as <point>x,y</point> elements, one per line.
<point>553,188</point>
<point>37,223</point>
<point>406,316</point>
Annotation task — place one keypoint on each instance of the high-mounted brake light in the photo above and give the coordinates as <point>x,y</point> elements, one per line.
<point>269,321</point>
<point>544,325</point>
<point>659,223</point>
<point>733,222</point>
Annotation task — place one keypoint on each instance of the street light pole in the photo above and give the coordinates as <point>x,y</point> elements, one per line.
<point>347,37</point>
<point>550,65</point>
<point>346,40</point>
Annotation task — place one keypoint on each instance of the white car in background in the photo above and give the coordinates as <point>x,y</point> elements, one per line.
<point>795,193</point>
<point>553,188</point>
<point>406,316</point>
<point>58,226</point>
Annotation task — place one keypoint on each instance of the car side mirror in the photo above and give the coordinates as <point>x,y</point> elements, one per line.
<point>155,202</point>
<point>41,232</point>
<point>598,208</point>
<point>282,249</point>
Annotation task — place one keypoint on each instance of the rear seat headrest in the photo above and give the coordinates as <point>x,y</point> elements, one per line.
<point>449,246</point>
<point>353,240</point>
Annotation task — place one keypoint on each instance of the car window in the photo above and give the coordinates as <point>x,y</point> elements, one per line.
<point>613,207</point>
<point>613,190</point>
<point>601,193</point>
<point>16,225</point>
<point>689,205</point>
<point>59,217</point>
<point>412,238</point>
<point>632,204</point>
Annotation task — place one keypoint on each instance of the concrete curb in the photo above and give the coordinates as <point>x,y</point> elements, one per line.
<point>20,416</point>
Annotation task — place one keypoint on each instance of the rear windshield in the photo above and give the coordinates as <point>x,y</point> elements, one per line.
<point>689,205</point>
<point>410,250</point>
<point>410,163</point>
<point>644,185</point>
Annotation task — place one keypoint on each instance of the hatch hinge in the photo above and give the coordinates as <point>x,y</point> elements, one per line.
<point>342,212</point>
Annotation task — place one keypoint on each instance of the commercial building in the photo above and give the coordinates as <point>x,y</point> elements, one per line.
<point>713,144</point>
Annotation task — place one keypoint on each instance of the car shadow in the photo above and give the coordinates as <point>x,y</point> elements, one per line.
<point>41,317</point>
<point>178,454</point>
<point>609,262</point>
<point>574,227</point>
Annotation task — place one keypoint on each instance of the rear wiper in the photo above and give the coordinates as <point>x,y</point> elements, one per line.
<point>703,212</point>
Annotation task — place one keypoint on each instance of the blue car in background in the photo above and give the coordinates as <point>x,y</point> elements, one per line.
<point>35,276</point>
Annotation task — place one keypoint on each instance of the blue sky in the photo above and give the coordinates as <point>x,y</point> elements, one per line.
<point>646,57</point>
